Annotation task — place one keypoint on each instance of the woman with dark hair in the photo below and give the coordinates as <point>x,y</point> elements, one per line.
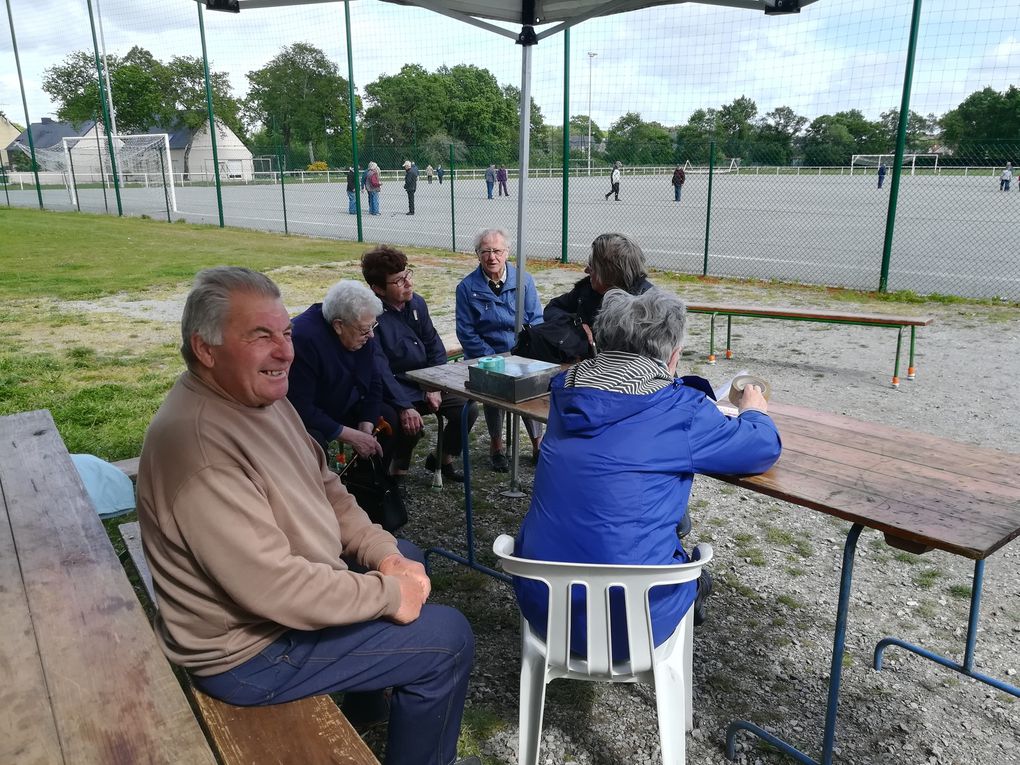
<point>624,441</point>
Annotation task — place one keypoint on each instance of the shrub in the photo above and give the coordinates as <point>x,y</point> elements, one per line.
<point>318,166</point>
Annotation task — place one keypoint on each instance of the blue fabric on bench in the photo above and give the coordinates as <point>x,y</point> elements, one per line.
<point>110,490</point>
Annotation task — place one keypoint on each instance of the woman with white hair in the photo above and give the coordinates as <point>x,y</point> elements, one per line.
<point>624,440</point>
<point>338,379</point>
<point>373,185</point>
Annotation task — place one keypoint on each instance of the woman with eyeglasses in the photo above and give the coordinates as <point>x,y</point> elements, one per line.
<point>410,341</point>
<point>340,382</point>
<point>486,325</point>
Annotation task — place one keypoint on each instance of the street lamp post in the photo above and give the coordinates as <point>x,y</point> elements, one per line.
<point>591,57</point>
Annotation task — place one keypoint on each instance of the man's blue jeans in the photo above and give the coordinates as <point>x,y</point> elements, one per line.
<point>427,662</point>
<point>489,186</point>
<point>676,193</point>
<point>352,207</point>
<point>373,203</point>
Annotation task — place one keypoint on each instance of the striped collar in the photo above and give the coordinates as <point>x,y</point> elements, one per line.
<point>620,372</point>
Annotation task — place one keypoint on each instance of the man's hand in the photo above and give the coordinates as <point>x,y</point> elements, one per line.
<point>411,422</point>
<point>433,399</point>
<point>753,399</point>
<point>364,443</point>
<point>415,586</point>
<point>587,331</point>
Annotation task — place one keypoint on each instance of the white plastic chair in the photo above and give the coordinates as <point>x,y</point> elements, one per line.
<point>668,668</point>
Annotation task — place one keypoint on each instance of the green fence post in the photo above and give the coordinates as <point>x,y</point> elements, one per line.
<point>24,103</point>
<point>3,177</point>
<point>453,217</point>
<point>212,115</point>
<point>566,142</point>
<point>708,210</point>
<point>354,125</point>
<point>106,114</point>
<point>283,194</point>
<point>901,142</point>
<point>102,175</point>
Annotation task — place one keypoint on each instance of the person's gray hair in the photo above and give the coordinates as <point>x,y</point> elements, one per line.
<point>650,325</point>
<point>205,310</point>
<point>616,261</point>
<point>484,234</point>
<point>348,301</point>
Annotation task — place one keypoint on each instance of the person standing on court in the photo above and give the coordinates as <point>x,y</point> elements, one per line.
<point>486,325</point>
<point>352,189</point>
<point>373,185</point>
<point>272,583</point>
<point>679,176</point>
<point>1006,177</point>
<point>490,180</point>
<point>439,173</point>
<point>501,176</point>
<point>614,181</point>
<point>428,173</point>
<point>881,173</point>
<point>410,184</point>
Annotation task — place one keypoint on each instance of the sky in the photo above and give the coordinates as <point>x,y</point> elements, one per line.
<point>662,62</point>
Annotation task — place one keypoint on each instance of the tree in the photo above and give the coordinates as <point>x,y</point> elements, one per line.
<point>636,142</point>
<point>833,139</point>
<point>985,126</point>
<point>146,92</point>
<point>918,129</point>
<point>776,135</point>
<point>735,124</point>
<point>405,108</point>
<point>694,140</point>
<point>301,99</point>
<point>480,113</point>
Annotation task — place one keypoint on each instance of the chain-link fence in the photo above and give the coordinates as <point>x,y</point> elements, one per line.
<point>730,192</point>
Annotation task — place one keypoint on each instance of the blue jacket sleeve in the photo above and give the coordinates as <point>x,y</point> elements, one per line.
<point>743,445</point>
<point>434,348</point>
<point>532,306</point>
<point>472,343</point>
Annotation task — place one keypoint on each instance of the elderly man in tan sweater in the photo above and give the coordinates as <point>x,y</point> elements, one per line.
<point>272,583</point>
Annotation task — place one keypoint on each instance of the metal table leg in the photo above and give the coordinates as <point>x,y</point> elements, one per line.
<point>469,528</point>
<point>835,674</point>
<point>967,668</point>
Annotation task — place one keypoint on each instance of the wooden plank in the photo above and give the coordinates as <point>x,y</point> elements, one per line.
<point>113,696</point>
<point>311,730</point>
<point>28,733</point>
<point>129,467</point>
<point>845,317</point>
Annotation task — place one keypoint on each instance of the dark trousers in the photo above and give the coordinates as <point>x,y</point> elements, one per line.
<point>502,189</point>
<point>615,189</point>
<point>410,202</point>
<point>494,417</point>
<point>427,663</point>
<point>452,409</point>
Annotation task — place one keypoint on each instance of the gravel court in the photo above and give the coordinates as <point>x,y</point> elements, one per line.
<point>820,229</point>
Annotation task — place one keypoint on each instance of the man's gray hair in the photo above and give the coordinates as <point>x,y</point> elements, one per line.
<point>349,301</point>
<point>205,310</point>
<point>486,233</point>
<point>650,325</point>
<point>617,261</point>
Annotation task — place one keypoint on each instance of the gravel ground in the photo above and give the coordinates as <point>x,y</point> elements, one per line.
<point>764,652</point>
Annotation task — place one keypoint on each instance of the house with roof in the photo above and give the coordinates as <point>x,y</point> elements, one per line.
<point>191,153</point>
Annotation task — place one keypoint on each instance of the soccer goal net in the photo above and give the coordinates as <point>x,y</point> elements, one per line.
<point>722,168</point>
<point>913,162</point>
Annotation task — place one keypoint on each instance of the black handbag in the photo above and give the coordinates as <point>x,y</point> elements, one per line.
<point>560,341</point>
<point>375,491</point>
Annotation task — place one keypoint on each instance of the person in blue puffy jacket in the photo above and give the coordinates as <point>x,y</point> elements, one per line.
<point>486,324</point>
<point>624,440</point>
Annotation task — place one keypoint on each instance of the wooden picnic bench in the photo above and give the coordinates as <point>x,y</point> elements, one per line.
<point>815,315</point>
<point>87,680</point>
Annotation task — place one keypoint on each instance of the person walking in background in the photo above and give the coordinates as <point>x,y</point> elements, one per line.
<point>439,173</point>
<point>490,180</point>
<point>614,181</point>
<point>373,185</point>
<point>881,173</point>
<point>679,176</point>
<point>428,173</point>
<point>501,177</point>
<point>1006,177</point>
<point>410,184</point>
<point>352,189</point>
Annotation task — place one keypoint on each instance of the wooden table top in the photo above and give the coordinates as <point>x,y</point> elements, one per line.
<point>83,678</point>
<point>922,491</point>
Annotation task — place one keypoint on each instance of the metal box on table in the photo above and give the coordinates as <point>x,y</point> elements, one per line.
<point>518,380</point>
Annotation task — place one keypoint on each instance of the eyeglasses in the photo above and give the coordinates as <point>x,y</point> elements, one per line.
<point>492,251</point>
<point>404,279</point>
<point>366,332</point>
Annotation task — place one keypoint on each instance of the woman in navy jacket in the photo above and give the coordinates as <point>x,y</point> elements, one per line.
<point>486,324</point>
<point>624,441</point>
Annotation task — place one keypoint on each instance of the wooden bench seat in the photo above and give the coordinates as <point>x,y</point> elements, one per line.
<point>815,315</point>
<point>311,730</point>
